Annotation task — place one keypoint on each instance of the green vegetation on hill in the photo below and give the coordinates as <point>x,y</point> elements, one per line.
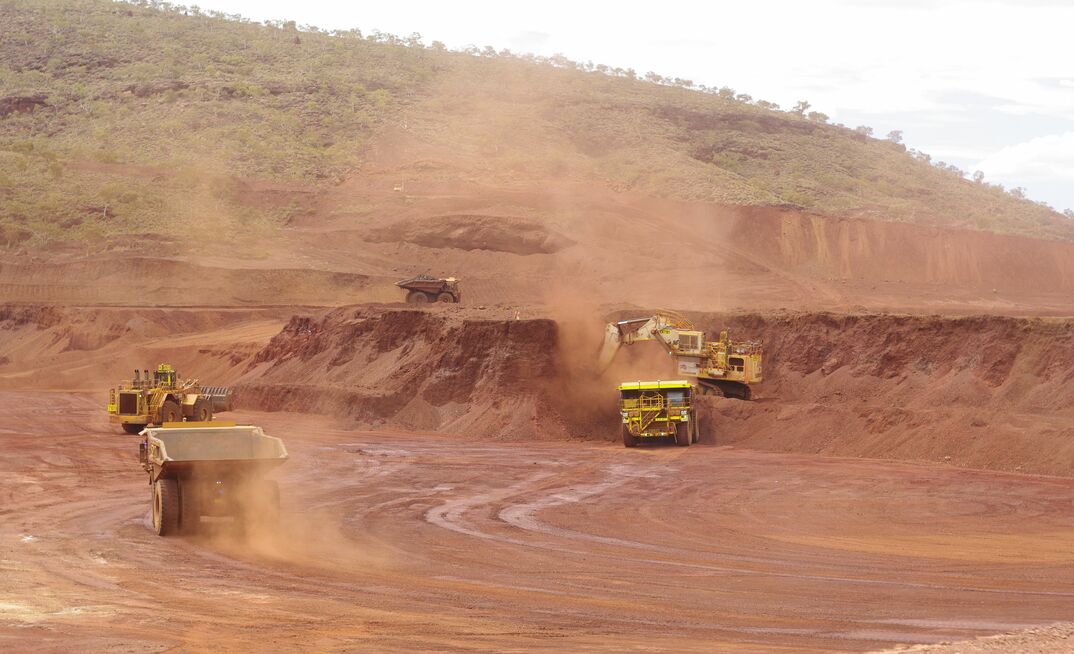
<point>121,120</point>
<point>135,119</point>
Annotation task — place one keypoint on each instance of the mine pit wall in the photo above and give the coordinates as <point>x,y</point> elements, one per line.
<point>45,347</point>
<point>988,392</point>
<point>876,251</point>
<point>143,281</point>
<point>412,370</point>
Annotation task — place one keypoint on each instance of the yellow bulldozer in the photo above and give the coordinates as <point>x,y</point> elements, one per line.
<point>163,397</point>
<point>723,366</point>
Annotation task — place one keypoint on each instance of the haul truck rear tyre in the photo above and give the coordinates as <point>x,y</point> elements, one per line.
<point>165,507</point>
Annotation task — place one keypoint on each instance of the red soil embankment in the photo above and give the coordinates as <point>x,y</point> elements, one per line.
<point>143,281</point>
<point>69,348</point>
<point>991,392</point>
<point>984,391</point>
<point>872,251</point>
<point>409,369</point>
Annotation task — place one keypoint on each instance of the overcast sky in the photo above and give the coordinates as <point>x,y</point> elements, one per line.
<point>984,84</point>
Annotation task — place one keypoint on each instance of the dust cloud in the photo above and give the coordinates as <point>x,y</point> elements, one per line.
<point>294,531</point>
<point>583,394</point>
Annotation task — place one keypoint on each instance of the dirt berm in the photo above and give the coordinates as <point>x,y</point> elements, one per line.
<point>410,369</point>
<point>984,391</point>
<point>987,391</point>
<point>991,392</point>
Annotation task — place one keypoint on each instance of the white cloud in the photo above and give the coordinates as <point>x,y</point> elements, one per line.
<point>1045,158</point>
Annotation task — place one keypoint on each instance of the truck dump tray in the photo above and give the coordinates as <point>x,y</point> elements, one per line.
<point>176,451</point>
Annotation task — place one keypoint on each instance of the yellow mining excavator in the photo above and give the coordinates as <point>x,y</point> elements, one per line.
<point>722,366</point>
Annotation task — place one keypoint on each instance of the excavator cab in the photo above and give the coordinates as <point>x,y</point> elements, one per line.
<point>690,343</point>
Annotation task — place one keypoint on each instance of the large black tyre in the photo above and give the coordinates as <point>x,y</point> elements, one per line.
<point>445,297</point>
<point>202,411</point>
<point>683,434</point>
<point>170,412</point>
<point>165,507</point>
<point>189,507</point>
<point>132,428</point>
<point>417,297</point>
<point>629,440</point>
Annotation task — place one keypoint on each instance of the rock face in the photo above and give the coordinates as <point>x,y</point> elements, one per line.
<point>410,369</point>
<point>980,391</point>
<point>985,391</point>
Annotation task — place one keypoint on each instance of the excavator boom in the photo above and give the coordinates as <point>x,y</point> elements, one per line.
<point>625,332</point>
<point>722,366</point>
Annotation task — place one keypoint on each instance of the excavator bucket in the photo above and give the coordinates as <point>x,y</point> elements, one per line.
<point>612,341</point>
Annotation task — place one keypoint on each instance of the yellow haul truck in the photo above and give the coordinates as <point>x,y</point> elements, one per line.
<point>164,397</point>
<point>211,470</point>
<point>658,409</point>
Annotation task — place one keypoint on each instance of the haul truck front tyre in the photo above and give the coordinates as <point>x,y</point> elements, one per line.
<point>683,434</point>
<point>170,412</point>
<point>203,410</point>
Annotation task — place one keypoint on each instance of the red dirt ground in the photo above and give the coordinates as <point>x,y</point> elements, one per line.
<point>407,542</point>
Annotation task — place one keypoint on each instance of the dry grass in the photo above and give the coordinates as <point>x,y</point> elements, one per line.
<point>151,117</point>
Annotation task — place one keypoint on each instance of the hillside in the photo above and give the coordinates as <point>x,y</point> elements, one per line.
<point>183,130</point>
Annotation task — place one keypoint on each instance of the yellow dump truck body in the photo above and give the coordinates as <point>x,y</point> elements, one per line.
<point>657,409</point>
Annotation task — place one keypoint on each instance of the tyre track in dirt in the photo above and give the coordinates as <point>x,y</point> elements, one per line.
<point>399,541</point>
